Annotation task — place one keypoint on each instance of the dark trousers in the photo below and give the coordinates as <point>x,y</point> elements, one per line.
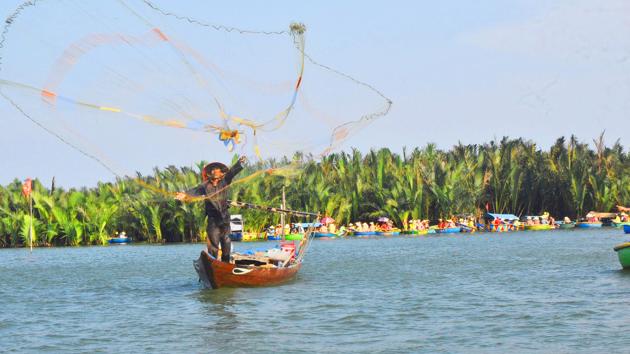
<point>219,234</point>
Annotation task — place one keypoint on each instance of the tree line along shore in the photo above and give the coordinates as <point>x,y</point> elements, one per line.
<point>507,176</point>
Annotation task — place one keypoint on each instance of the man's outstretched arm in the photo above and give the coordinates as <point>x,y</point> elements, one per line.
<point>234,170</point>
<point>193,192</point>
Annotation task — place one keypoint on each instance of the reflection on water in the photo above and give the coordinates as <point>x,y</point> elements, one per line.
<point>221,311</point>
<point>622,272</point>
<point>223,296</point>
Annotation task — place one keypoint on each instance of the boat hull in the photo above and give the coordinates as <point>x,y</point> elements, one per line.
<point>588,225</point>
<point>324,235</point>
<point>236,236</point>
<point>623,252</point>
<point>216,274</point>
<point>567,226</point>
<point>540,227</point>
<point>118,241</point>
<point>620,224</point>
<point>294,237</point>
<point>388,233</point>
<point>450,230</point>
<point>626,229</point>
<point>499,228</point>
<point>414,232</point>
<point>364,233</point>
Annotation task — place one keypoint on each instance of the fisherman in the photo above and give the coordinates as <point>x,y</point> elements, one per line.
<point>214,188</point>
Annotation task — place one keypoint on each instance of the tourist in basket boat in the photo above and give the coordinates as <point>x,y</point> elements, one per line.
<point>216,179</point>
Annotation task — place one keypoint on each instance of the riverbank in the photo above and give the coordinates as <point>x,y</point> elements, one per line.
<point>261,237</point>
<point>510,175</point>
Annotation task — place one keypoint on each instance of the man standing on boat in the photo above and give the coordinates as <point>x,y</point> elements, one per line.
<point>217,177</point>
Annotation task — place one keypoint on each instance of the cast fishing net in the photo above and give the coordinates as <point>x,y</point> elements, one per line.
<point>132,86</point>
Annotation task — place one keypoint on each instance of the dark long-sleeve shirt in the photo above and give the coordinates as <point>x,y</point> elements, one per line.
<point>217,206</point>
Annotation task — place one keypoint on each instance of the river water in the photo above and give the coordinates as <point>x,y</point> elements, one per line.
<point>549,292</point>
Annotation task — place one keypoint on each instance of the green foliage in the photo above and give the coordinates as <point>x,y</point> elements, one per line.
<point>512,175</point>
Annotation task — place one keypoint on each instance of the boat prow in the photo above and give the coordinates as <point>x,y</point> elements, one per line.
<point>216,274</point>
<point>623,252</point>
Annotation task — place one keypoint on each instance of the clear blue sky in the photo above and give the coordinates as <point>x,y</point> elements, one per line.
<point>455,70</point>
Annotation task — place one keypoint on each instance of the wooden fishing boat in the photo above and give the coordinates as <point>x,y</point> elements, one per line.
<point>588,225</point>
<point>119,240</point>
<point>623,252</point>
<point>236,227</point>
<point>539,227</point>
<point>626,229</point>
<point>505,224</point>
<point>273,267</point>
<point>216,274</point>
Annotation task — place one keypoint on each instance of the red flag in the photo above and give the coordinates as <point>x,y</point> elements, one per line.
<point>27,187</point>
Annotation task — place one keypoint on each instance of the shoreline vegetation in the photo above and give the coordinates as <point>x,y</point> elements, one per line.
<point>508,176</point>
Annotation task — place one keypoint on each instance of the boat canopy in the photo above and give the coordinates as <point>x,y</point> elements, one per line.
<point>600,215</point>
<point>501,216</point>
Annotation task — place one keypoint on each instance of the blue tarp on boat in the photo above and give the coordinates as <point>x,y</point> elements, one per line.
<point>502,216</point>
